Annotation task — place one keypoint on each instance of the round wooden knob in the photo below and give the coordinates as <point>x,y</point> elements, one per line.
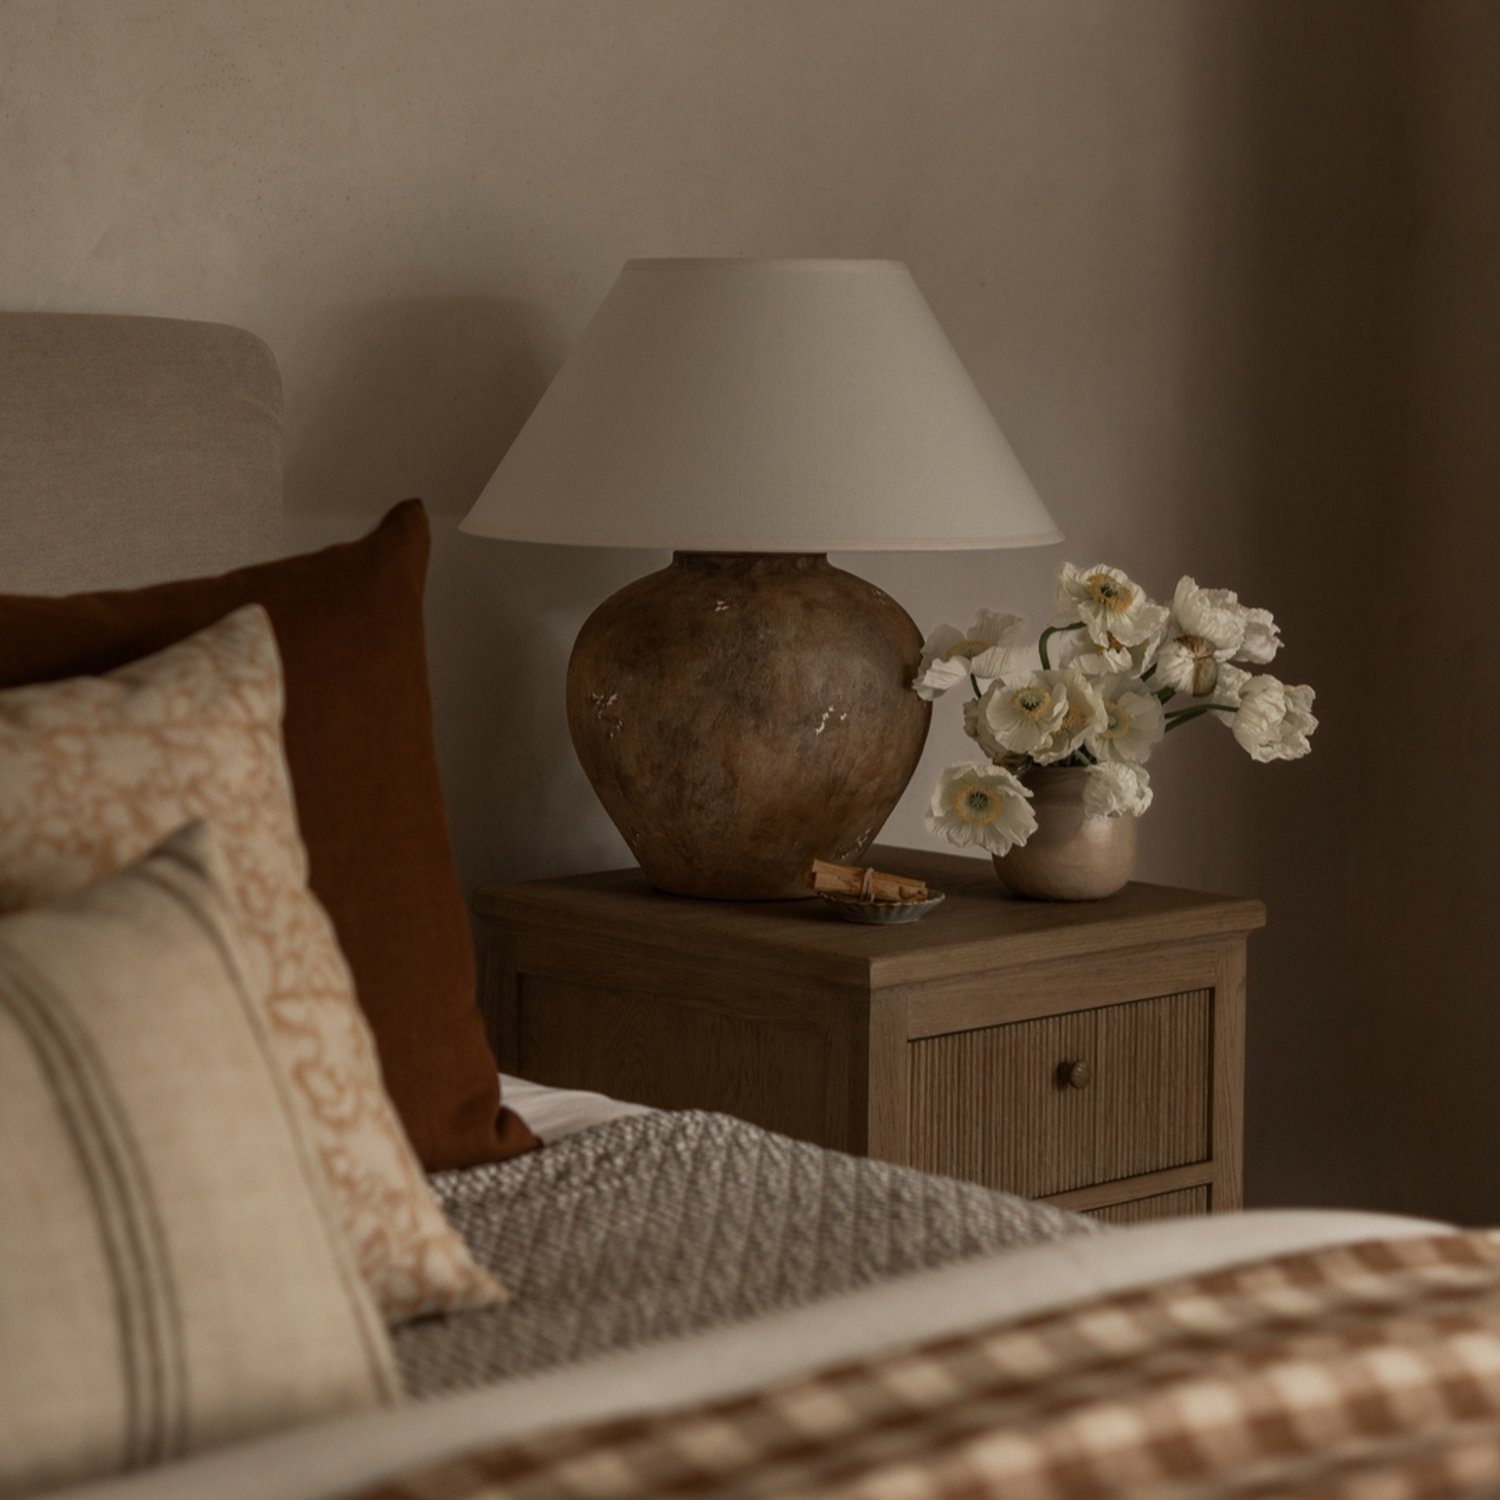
<point>1076,1075</point>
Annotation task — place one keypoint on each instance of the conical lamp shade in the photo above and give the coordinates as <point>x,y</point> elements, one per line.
<point>763,406</point>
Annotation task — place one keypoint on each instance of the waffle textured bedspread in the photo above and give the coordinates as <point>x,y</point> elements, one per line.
<point>664,1224</point>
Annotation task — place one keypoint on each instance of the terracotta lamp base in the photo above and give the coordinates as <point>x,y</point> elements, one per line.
<point>741,714</point>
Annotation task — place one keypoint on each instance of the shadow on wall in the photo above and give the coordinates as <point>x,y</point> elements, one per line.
<point>1376,1010</point>
<point>1324,155</point>
<point>1422,974</point>
<point>1335,262</point>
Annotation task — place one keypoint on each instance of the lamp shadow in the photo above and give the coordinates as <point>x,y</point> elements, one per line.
<point>500,633</point>
<point>1378,450</point>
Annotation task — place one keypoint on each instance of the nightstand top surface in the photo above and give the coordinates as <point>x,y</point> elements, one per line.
<point>978,924</point>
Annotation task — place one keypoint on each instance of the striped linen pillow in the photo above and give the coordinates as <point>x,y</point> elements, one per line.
<point>172,1273</point>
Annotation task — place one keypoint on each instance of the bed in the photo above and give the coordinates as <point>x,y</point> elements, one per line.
<point>698,1307</point>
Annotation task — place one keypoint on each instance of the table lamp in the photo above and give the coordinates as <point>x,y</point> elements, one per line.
<point>749,707</point>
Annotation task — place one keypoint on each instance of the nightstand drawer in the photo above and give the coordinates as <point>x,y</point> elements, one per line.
<point>1046,1106</point>
<point>1176,1205</point>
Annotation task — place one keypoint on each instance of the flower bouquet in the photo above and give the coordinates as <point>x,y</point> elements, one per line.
<point>1109,678</point>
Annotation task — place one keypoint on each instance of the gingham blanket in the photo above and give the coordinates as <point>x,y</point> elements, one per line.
<point>1369,1372</point>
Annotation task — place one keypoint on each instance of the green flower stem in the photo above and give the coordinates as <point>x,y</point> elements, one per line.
<point>1181,716</point>
<point>1149,673</point>
<point>1052,630</point>
<point>974,683</point>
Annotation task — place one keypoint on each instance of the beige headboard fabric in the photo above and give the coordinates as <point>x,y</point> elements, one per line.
<point>134,450</point>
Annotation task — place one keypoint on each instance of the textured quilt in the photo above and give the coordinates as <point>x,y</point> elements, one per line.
<point>1364,1373</point>
<point>664,1224</point>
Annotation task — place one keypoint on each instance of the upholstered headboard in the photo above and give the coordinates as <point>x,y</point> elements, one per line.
<point>134,450</point>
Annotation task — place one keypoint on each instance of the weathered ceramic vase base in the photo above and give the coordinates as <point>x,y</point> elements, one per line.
<point>1070,857</point>
<point>741,714</point>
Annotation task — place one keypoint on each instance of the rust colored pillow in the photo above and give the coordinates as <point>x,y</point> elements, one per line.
<point>358,733</point>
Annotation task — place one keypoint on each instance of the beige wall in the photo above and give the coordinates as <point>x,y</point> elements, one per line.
<point>1168,237</point>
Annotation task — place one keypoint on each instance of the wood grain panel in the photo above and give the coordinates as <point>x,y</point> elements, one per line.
<point>1163,1206</point>
<point>1229,1078</point>
<point>977,930</point>
<point>651,1050</point>
<point>987,1106</point>
<point>1153,1076</point>
<point>882,1087</point>
<point>1127,1189</point>
<point>991,1105</point>
<point>991,998</point>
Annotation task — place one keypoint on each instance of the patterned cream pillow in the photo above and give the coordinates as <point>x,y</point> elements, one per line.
<point>172,1274</point>
<point>96,770</point>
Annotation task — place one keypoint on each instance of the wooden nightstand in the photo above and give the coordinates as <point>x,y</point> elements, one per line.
<point>1091,1054</point>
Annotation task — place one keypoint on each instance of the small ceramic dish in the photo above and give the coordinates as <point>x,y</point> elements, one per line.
<point>883,913</point>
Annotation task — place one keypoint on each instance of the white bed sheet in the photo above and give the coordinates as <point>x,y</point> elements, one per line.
<point>554,1114</point>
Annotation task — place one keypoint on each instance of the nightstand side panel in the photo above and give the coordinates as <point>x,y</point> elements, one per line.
<point>647,1047</point>
<point>672,1031</point>
<point>1229,1078</point>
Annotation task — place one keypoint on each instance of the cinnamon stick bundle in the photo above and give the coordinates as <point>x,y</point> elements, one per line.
<point>866,884</point>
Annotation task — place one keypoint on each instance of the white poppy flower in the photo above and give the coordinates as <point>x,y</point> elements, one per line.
<point>939,674</point>
<point>1303,722</point>
<point>1273,721</point>
<point>1143,653</point>
<point>1116,789</point>
<point>1076,648</point>
<point>1022,714</point>
<point>1081,654</point>
<point>949,657</point>
<point>1231,684</point>
<point>999,632</point>
<point>1262,638</point>
<point>1213,616</point>
<point>1115,612</point>
<point>1187,664</point>
<point>1083,714</point>
<point>978,730</point>
<point>1134,720</point>
<point>982,805</point>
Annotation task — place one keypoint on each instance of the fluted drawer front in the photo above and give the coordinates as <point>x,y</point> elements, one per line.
<point>1154,1078</point>
<point>1039,1107</point>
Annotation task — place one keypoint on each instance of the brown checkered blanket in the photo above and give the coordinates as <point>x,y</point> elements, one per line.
<point>1364,1371</point>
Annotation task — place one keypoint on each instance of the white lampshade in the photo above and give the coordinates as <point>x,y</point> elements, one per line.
<point>763,406</point>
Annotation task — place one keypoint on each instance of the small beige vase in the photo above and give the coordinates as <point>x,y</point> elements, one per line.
<point>1069,857</point>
